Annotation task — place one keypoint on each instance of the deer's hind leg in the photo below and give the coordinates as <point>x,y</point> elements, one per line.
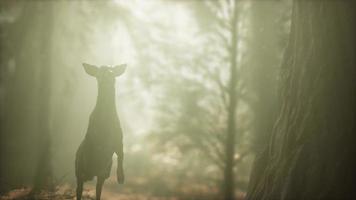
<point>79,189</point>
<point>99,186</point>
<point>120,159</point>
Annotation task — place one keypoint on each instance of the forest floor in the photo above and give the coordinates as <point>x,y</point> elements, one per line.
<point>67,192</point>
<point>128,191</point>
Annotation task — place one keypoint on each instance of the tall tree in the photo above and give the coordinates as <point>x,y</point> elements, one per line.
<point>311,153</point>
<point>20,99</point>
<point>231,105</point>
<point>25,135</point>
<point>43,175</point>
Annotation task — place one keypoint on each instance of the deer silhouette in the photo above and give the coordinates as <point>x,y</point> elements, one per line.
<point>104,134</point>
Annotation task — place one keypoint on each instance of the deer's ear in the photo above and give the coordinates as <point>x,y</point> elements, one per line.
<point>92,70</point>
<point>119,69</point>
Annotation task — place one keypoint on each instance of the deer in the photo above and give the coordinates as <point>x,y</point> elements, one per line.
<point>104,134</point>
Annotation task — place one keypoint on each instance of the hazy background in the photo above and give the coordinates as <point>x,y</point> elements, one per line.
<point>173,100</point>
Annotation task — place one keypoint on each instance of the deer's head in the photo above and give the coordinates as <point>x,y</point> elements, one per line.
<point>105,74</point>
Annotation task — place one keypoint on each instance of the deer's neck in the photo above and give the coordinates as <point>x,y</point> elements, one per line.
<point>106,98</point>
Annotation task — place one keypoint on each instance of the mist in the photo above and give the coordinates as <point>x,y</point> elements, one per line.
<point>217,100</point>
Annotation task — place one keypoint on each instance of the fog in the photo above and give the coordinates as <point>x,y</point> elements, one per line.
<point>196,103</point>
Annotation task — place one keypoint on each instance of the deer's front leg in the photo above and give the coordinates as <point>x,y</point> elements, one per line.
<point>120,160</point>
<point>99,186</point>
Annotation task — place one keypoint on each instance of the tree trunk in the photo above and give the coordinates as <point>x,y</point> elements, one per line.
<point>20,132</point>
<point>231,127</point>
<point>43,176</point>
<point>311,152</point>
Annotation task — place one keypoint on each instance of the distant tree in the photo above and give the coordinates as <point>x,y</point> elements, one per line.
<point>44,174</point>
<point>199,97</point>
<point>311,152</point>
<point>231,25</point>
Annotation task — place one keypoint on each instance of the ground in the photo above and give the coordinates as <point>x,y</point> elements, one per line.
<point>135,189</point>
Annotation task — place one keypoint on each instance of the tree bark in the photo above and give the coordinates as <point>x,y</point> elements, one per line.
<point>311,153</point>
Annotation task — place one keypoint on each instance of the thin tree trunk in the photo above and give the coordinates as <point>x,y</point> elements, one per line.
<point>43,176</point>
<point>231,127</point>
